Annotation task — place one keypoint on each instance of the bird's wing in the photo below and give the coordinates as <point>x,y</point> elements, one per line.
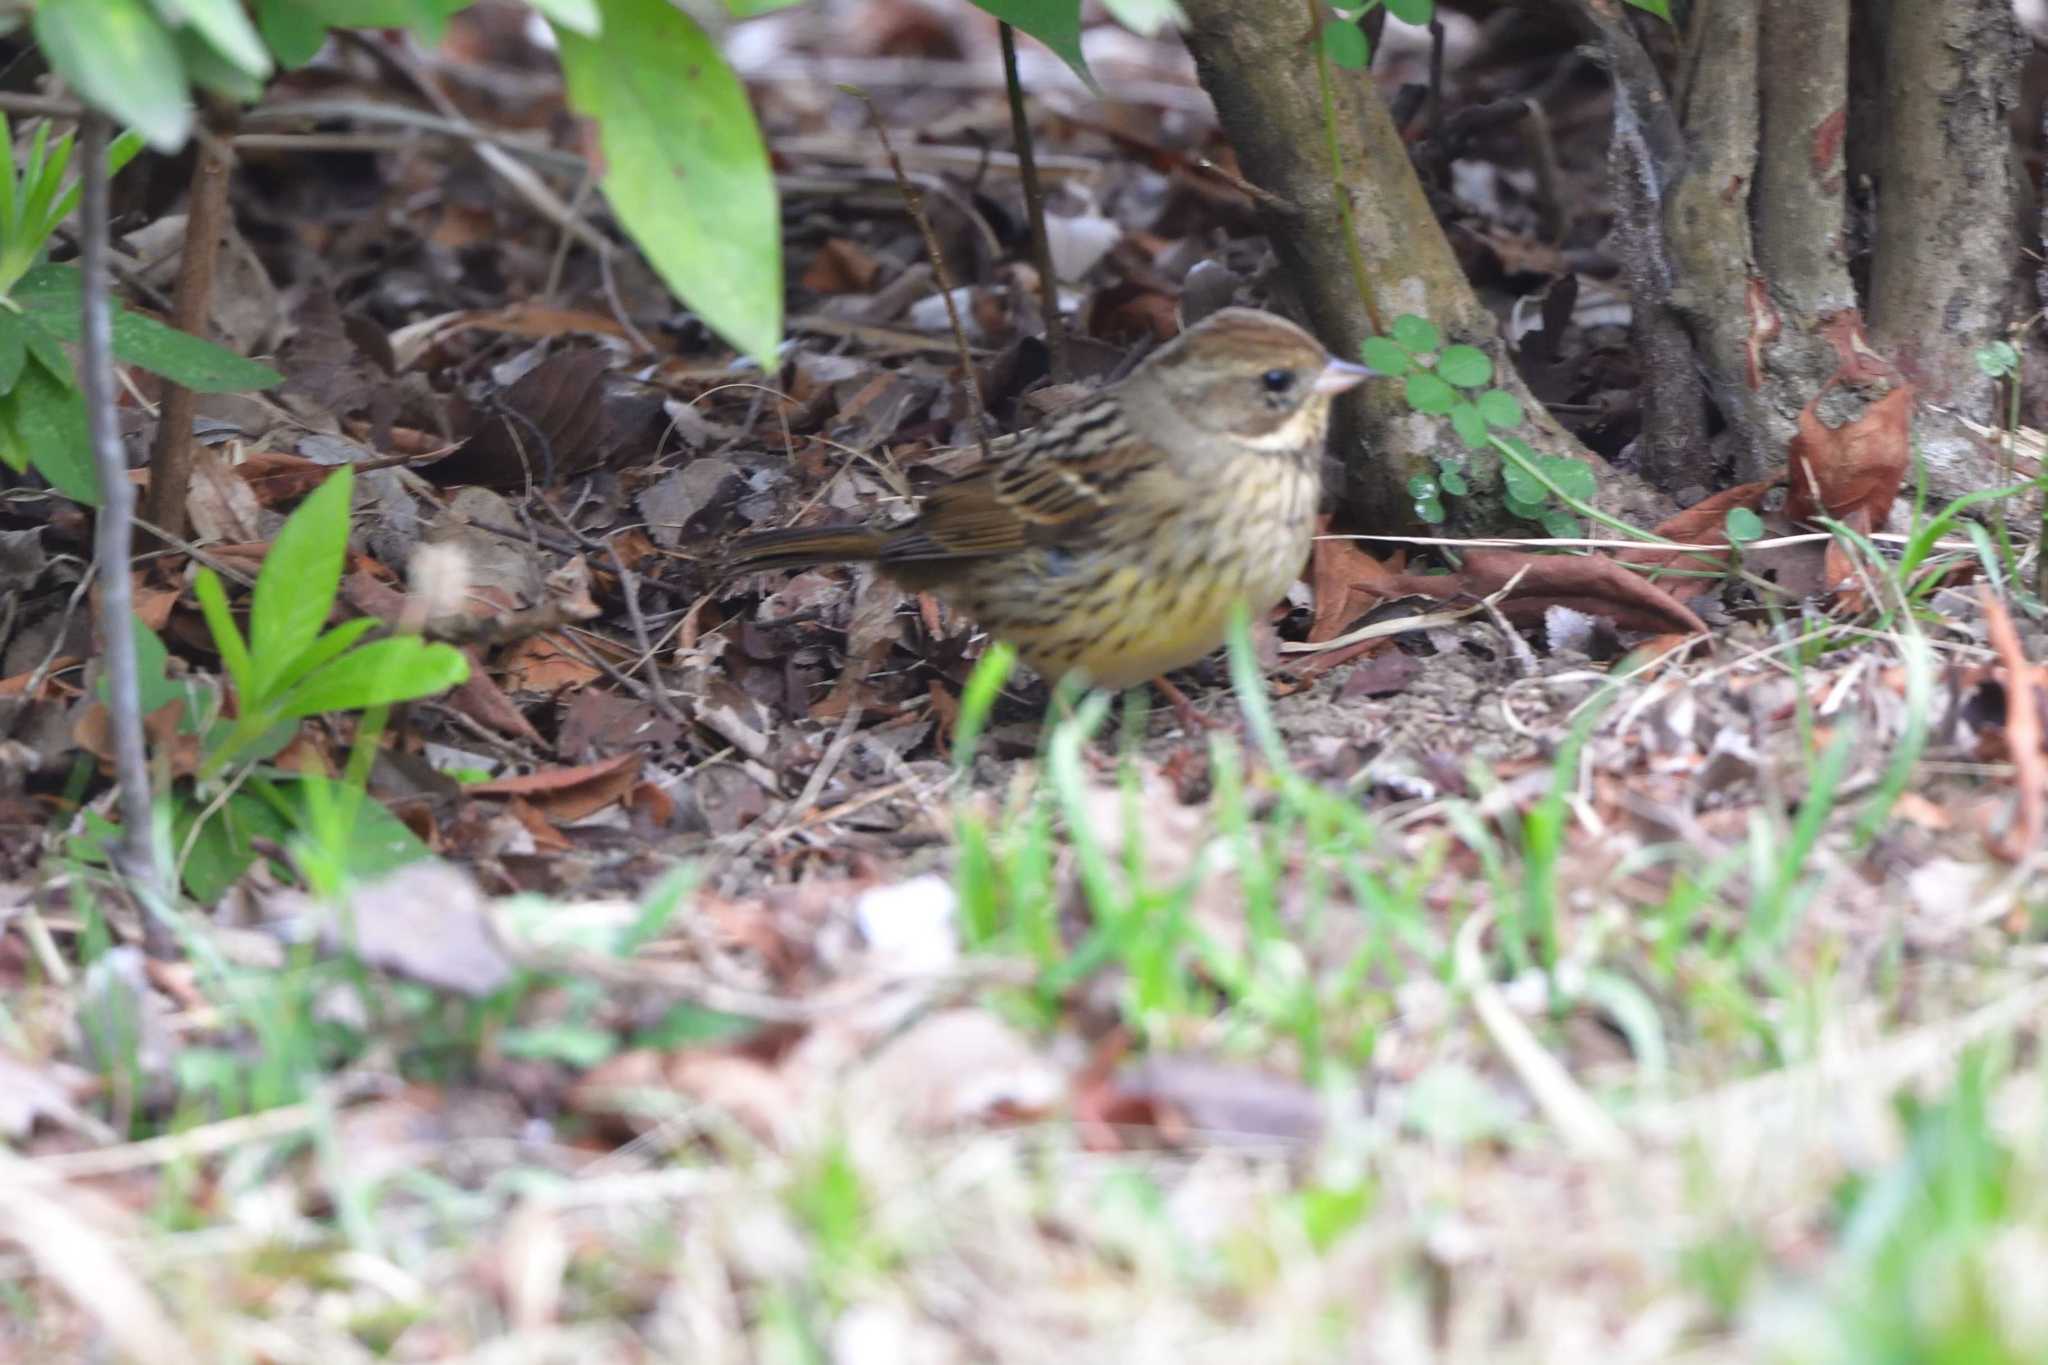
<point>1052,484</point>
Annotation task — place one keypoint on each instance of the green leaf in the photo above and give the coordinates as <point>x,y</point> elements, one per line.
<point>1417,335</point>
<point>1386,356</point>
<point>1453,482</point>
<point>1660,8</point>
<point>185,359</point>
<point>1427,393</point>
<point>295,34</point>
<point>1421,486</point>
<point>1744,526</point>
<point>296,588</point>
<point>402,668</point>
<point>1528,511</point>
<point>226,844</point>
<point>578,16</point>
<point>120,59</point>
<point>46,418</point>
<point>1500,408</point>
<point>1466,366</point>
<point>581,1046</point>
<point>227,636</point>
<point>225,26</point>
<point>378,841</point>
<point>685,167</point>
<point>120,152</point>
<point>155,688</point>
<point>328,647</point>
<point>1346,45</point>
<point>1560,524</point>
<point>1416,12</point>
<point>1470,426</point>
<point>1431,511</point>
<point>1573,479</point>
<point>1997,360</point>
<point>1056,23</point>
<point>45,350</point>
<point>13,348</point>
<point>1522,486</point>
<point>747,9</point>
<point>209,70</point>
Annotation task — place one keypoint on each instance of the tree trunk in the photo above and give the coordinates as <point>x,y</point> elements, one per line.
<point>1257,60</point>
<point>1941,284</point>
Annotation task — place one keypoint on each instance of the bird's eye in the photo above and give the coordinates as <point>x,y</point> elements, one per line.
<point>1277,381</point>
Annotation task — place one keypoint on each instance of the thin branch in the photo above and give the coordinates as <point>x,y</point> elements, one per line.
<point>915,201</point>
<point>1034,206</point>
<point>137,855</point>
<point>170,462</point>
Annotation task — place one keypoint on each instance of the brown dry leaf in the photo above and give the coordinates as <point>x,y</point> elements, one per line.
<point>2024,682</point>
<point>1703,523</point>
<point>1591,584</point>
<point>1347,581</point>
<point>93,732</point>
<point>1837,471</point>
<point>276,476</point>
<point>575,413</point>
<point>1221,1102</point>
<point>222,507</point>
<point>566,795</point>
<point>540,664</point>
<point>842,267</point>
<point>546,838</point>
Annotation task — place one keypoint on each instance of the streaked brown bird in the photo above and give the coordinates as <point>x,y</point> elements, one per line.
<point>1114,540</point>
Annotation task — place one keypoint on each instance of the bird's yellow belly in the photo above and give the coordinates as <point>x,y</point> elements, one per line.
<point>1124,613</point>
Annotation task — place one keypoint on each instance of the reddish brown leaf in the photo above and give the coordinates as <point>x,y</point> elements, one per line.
<point>842,267</point>
<point>1347,582</point>
<point>2023,683</point>
<point>1703,523</point>
<point>1596,586</point>
<point>1855,467</point>
<point>566,795</point>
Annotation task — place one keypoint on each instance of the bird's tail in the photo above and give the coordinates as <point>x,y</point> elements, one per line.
<point>800,547</point>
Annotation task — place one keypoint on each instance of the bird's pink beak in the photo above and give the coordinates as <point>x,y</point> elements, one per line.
<point>1339,375</point>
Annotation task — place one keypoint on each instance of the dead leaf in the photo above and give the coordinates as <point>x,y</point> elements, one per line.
<point>566,795</point>
<point>1347,581</point>
<point>222,507</point>
<point>429,921</point>
<point>1703,523</point>
<point>1591,584</point>
<point>1837,471</point>
<point>842,267</point>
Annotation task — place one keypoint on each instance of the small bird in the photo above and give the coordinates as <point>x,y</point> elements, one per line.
<point>1114,540</point>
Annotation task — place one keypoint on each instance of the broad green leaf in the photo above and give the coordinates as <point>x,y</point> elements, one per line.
<point>1500,408</point>
<point>1056,23</point>
<point>1422,486</point>
<point>185,359</point>
<point>1454,483</point>
<point>208,70</point>
<point>402,668</point>
<point>225,26</point>
<point>119,57</point>
<point>378,841</point>
<point>1466,366</point>
<point>1416,12</point>
<point>1345,44</point>
<point>226,844</point>
<point>227,636</point>
<point>1148,18</point>
<point>1427,393</point>
<point>578,16</point>
<point>294,33</point>
<point>296,588</point>
<point>1469,424</point>
<point>48,353</point>
<point>47,419</point>
<point>1560,524</point>
<point>13,348</point>
<point>328,647</point>
<point>156,689</point>
<point>1417,334</point>
<point>49,294</point>
<point>1660,8</point>
<point>1386,356</point>
<point>685,167</point>
<point>1522,486</point>
<point>1430,510</point>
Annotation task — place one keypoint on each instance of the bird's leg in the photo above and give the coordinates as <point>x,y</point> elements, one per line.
<point>1191,719</point>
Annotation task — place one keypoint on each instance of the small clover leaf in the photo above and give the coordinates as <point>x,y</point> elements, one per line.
<point>1345,44</point>
<point>1418,335</point>
<point>1469,424</point>
<point>1466,366</point>
<point>1500,408</point>
<point>1427,393</point>
<point>1743,526</point>
<point>1385,356</point>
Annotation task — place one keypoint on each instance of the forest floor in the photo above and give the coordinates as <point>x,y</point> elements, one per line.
<point>785,986</point>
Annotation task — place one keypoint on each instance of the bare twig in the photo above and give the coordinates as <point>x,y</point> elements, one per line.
<point>113,538</point>
<point>931,246</point>
<point>170,463</point>
<point>1034,207</point>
